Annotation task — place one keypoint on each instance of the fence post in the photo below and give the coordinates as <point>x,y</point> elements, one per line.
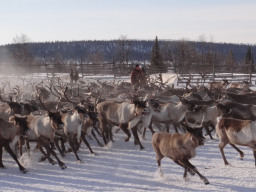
<point>250,78</point>
<point>114,67</point>
<point>213,72</point>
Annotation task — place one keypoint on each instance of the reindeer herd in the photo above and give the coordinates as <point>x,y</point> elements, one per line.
<point>58,116</point>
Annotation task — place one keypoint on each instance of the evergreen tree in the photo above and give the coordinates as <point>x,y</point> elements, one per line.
<point>249,56</point>
<point>230,59</point>
<point>157,64</point>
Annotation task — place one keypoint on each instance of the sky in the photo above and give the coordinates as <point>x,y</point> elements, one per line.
<point>230,21</point>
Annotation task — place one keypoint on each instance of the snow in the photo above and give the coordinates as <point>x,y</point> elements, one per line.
<point>122,166</point>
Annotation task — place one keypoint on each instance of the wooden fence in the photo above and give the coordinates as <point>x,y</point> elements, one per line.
<point>194,73</point>
<point>203,74</point>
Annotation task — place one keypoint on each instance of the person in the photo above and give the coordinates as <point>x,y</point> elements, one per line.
<point>71,74</point>
<point>76,76</point>
<point>137,77</point>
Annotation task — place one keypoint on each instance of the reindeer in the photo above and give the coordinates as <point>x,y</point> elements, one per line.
<point>121,114</point>
<point>218,84</point>
<point>169,113</point>
<point>205,115</point>
<point>9,108</point>
<point>237,110</point>
<point>87,129</point>
<point>245,85</point>
<point>10,132</point>
<point>180,148</point>
<point>73,121</point>
<point>42,129</point>
<point>236,131</point>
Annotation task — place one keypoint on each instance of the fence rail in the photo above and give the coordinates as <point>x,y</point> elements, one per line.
<point>196,73</point>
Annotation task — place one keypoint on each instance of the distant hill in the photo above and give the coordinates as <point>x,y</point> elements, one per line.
<point>136,50</point>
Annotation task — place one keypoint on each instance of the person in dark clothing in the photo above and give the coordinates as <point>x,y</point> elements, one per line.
<point>76,76</point>
<point>137,77</point>
<point>72,76</point>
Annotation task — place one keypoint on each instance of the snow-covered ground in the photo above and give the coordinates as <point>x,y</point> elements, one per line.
<point>123,167</point>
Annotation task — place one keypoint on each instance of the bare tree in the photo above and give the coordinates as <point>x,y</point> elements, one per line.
<point>123,49</point>
<point>185,55</point>
<point>21,51</point>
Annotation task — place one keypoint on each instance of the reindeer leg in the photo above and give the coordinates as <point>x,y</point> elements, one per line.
<point>48,148</point>
<point>72,145</point>
<point>27,147</point>
<point>63,148</point>
<point>9,150</point>
<point>86,142</point>
<point>221,146</point>
<point>254,154</point>
<point>104,133</point>
<point>185,169</point>
<point>238,150</point>
<point>110,134</point>
<point>21,142</point>
<point>150,128</point>
<point>1,157</point>
<point>56,141</point>
<point>99,143</point>
<point>124,127</point>
<point>187,164</point>
<point>174,126</point>
<point>97,130</point>
<point>46,156</point>
<point>136,137</point>
<point>159,155</point>
<point>208,131</point>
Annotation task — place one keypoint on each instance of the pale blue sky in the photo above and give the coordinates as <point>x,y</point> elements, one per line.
<point>231,21</point>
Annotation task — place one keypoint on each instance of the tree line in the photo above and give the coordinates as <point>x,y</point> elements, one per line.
<point>182,54</point>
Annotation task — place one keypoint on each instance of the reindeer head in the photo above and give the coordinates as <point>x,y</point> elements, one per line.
<point>140,107</point>
<point>15,108</point>
<point>56,121</point>
<point>154,104</point>
<point>187,104</point>
<point>81,110</point>
<point>21,122</point>
<point>197,135</point>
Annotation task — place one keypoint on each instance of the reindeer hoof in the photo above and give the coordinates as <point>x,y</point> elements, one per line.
<point>126,139</point>
<point>24,170</point>
<point>63,166</point>
<point>2,166</point>
<point>141,147</point>
<point>191,172</point>
<point>53,162</point>
<point>42,159</point>
<point>79,161</point>
<point>206,182</point>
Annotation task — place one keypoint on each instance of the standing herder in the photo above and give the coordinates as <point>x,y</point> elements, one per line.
<point>72,76</point>
<point>76,76</point>
<point>137,77</point>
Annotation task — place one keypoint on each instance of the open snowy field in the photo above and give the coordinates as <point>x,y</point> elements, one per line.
<point>123,167</point>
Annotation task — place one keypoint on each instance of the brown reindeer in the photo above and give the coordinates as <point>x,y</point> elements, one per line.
<point>180,148</point>
<point>10,133</point>
<point>235,131</point>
